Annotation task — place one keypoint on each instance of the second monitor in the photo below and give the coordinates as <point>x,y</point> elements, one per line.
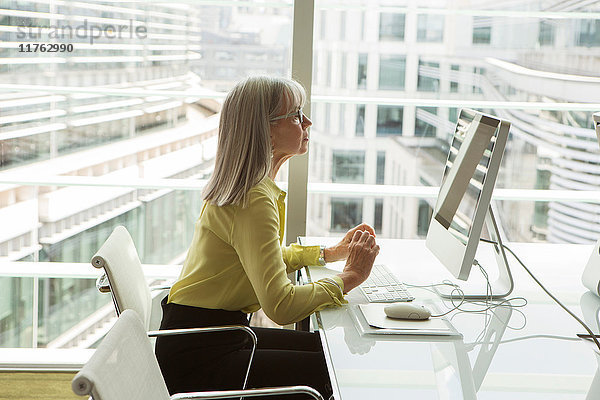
<point>463,204</point>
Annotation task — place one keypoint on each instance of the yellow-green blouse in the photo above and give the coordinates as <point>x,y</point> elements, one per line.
<point>237,262</point>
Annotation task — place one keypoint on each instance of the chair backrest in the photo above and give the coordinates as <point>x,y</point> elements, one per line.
<point>121,263</point>
<point>123,366</point>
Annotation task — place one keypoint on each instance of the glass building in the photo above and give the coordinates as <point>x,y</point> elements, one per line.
<point>123,92</point>
<point>99,127</point>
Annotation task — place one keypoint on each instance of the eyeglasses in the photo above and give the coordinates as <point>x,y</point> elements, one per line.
<point>298,114</point>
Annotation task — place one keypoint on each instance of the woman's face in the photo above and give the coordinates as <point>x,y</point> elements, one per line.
<point>289,135</point>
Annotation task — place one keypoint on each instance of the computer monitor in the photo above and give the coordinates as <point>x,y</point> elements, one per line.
<point>463,204</point>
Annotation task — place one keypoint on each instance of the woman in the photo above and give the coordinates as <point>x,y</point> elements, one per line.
<point>237,264</point>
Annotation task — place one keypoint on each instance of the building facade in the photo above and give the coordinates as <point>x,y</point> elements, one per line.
<point>138,98</point>
<point>413,56</point>
<point>108,110</point>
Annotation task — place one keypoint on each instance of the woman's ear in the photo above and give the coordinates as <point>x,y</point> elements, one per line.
<point>271,138</point>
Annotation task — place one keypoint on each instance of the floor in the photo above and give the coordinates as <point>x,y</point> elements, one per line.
<point>36,385</point>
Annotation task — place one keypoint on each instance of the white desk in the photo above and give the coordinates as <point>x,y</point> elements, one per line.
<point>376,367</point>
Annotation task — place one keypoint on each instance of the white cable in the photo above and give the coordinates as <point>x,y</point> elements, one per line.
<point>489,305</point>
<point>593,337</point>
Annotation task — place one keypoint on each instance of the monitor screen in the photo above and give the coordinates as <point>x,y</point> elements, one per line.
<point>461,223</point>
<point>468,179</point>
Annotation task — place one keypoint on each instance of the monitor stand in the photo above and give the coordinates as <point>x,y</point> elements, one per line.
<point>502,287</point>
<point>490,342</point>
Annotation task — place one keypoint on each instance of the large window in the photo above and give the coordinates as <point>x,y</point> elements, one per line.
<point>478,73</point>
<point>546,33</point>
<point>380,175</point>
<point>589,33</point>
<point>452,56</point>
<point>391,26</point>
<point>345,213</point>
<point>140,112</point>
<point>424,217</point>
<point>360,120</point>
<point>454,78</point>
<point>348,166</point>
<point>430,28</point>
<point>389,120</point>
<point>361,80</point>
<point>378,224</point>
<point>423,122</point>
<point>392,69</point>
<point>428,80</point>
<point>122,105</point>
<point>16,311</point>
<point>482,31</point>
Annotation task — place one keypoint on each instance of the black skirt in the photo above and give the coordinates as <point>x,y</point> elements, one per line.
<point>190,362</point>
<point>218,361</point>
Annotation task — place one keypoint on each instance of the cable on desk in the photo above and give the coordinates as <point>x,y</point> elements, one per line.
<point>488,304</point>
<point>488,295</point>
<point>547,291</point>
<point>492,309</point>
<point>518,339</point>
<point>455,288</point>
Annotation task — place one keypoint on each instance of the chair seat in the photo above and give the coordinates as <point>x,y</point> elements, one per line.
<point>124,367</point>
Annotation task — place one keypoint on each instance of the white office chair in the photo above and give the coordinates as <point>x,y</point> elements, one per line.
<point>125,280</point>
<point>123,276</point>
<point>124,367</point>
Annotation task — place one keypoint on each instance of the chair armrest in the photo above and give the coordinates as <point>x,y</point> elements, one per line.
<point>226,394</point>
<point>185,331</point>
<point>160,287</point>
<point>250,332</point>
<point>104,287</point>
<point>102,284</point>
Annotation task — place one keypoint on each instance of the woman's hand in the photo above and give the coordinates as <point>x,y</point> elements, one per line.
<point>341,250</point>
<point>362,252</point>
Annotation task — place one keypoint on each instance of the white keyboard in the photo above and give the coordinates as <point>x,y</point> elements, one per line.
<point>383,287</point>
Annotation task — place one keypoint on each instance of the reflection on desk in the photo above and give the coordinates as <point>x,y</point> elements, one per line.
<point>531,353</point>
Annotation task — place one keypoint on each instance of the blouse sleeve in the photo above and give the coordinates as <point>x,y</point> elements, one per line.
<point>255,237</point>
<point>296,256</point>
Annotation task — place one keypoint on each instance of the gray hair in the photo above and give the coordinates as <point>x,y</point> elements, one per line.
<point>244,147</point>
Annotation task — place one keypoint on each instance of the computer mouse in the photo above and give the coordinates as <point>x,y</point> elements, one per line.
<point>407,311</point>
